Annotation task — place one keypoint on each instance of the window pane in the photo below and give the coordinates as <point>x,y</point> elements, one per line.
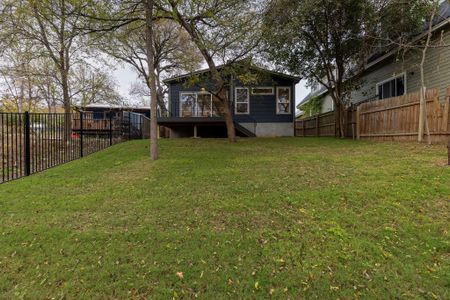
<point>380,91</point>
<point>241,95</point>
<point>242,108</point>
<point>187,105</point>
<point>393,91</point>
<point>283,100</point>
<point>204,105</point>
<point>387,90</point>
<point>400,86</point>
<point>283,108</point>
<point>262,91</point>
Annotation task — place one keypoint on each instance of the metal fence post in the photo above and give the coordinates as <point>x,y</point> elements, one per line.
<point>110,128</point>
<point>81,134</point>
<point>27,152</point>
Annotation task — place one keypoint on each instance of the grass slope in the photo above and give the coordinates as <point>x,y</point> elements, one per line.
<point>282,218</point>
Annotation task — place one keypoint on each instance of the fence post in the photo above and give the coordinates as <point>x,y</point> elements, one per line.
<point>129,126</point>
<point>27,158</point>
<point>110,128</point>
<point>81,134</point>
<point>448,149</point>
<point>317,126</point>
<point>358,122</point>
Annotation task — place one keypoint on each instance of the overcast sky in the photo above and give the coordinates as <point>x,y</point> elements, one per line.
<point>126,77</point>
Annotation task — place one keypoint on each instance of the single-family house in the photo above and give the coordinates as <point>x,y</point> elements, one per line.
<point>390,73</point>
<point>264,107</point>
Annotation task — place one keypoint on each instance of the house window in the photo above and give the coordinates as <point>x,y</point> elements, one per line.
<point>283,100</point>
<point>193,104</point>
<point>393,87</point>
<point>242,103</point>
<point>262,91</point>
<point>204,105</point>
<point>187,104</point>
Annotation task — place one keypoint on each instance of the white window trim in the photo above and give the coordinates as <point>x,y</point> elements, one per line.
<point>263,87</point>
<point>403,74</point>
<point>236,102</point>
<point>290,100</point>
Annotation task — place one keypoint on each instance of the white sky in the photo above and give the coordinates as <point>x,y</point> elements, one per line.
<point>125,77</point>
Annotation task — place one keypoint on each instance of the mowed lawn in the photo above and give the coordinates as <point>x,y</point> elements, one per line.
<point>282,218</point>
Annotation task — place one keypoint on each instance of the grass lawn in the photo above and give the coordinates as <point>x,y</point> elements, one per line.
<point>282,218</point>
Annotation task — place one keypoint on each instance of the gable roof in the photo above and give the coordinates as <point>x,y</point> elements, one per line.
<point>442,19</point>
<point>255,68</point>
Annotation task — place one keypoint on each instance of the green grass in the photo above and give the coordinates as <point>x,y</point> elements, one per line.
<point>282,218</point>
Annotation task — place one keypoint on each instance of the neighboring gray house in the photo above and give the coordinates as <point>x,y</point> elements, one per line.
<point>389,74</point>
<point>265,108</point>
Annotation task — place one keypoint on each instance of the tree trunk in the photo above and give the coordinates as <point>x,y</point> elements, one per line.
<point>339,120</point>
<point>342,124</point>
<point>231,132</point>
<point>423,119</point>
<point>217,79</point>
<point>222,95</point>
<point>67,105</point>
<point>160,94</point>
<point>152,79</point>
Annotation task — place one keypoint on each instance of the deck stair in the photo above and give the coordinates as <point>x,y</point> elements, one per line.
<point>246,132</point>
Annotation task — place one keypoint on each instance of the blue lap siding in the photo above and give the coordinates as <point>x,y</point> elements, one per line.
<point>262,107</point>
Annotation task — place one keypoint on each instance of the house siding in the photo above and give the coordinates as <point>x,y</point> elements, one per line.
<point>437,72</point>
<point>327,104</point>
<point>262,107</point>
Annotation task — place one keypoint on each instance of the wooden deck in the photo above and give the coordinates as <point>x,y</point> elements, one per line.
<point>174,121</point>
<point>93,124</point>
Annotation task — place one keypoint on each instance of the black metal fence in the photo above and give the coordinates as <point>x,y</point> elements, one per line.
<point>33,142</point>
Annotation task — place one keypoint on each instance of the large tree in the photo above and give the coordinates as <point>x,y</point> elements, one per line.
<point>113,15</point>
<point>329,41</point>
<point>324,41</point>
<point>53,28</point>
<point>173,52</point>
<point>224,31</point>
<point>90,84</point>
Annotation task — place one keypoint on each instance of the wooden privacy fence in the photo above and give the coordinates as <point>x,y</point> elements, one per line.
<point>394,119</point>
<point>325,124</point>
<point>398,118</point>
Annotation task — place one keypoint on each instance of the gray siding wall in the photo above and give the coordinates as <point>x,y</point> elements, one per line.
<point>327,104</point>
<point>437,72</point>
<point>262,107</point>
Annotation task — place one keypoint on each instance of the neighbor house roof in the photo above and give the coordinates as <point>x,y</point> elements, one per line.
<point>322,91</point>
<point>259,69</point>
<point>442,19</point>
<point>112,106</point>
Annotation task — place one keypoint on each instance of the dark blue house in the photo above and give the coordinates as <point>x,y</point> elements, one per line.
<point>264,107</point>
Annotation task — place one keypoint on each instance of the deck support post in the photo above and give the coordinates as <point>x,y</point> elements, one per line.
<point>195,131</point>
